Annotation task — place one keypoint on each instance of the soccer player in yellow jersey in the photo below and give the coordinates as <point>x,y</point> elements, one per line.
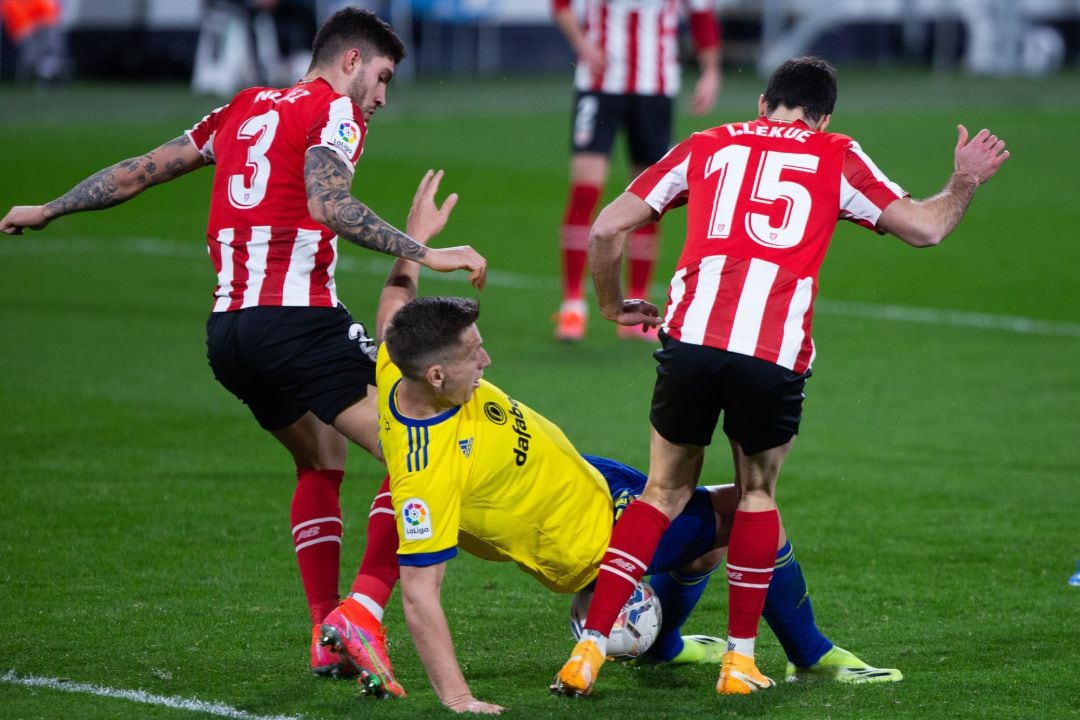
<point>472,468</point>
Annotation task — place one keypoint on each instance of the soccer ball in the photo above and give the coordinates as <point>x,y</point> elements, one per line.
<point>636,628</point>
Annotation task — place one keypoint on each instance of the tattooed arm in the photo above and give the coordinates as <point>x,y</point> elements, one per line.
<point>110,186</point>
<point>330,202</point>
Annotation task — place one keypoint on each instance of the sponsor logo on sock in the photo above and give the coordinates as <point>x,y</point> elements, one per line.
<point>309,533</point>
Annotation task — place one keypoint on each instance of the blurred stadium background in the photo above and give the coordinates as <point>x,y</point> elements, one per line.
<point>156,39</point>
<point>932,498</point>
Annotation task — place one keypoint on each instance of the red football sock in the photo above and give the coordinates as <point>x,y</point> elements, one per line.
<point>641,256</point>
<point>379,571</point>
<point>580,205</point>
<point>633,544</point>
<point>316,530</point>
<point>750,559</point>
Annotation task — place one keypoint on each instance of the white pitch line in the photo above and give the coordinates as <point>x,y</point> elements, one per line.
<point>954,318</point>
<point>528,281</point>
<point>139,696</point>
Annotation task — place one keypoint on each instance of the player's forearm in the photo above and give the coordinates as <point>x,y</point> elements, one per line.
<point>400,288</point>
<point>431,635</point>
<point>947,208</point>
<point>355,222</point>
<point>571,29</point>
<point>607,238</point>
<point>331,203</point>
<point>103,189</point>
<point>127,178</point>
<point>568,25</point>
<point>605,263</point>
<point>708,60</point>
<point>924,223</point>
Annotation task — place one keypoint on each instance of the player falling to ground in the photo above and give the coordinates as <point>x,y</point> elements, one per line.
<point>474,468</point>
<point>763,198</point>
<point>627,77</point>
<point>277,337</point>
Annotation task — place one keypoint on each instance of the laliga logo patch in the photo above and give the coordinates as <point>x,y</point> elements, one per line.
<point>415,520</point>
<point>347,136</point>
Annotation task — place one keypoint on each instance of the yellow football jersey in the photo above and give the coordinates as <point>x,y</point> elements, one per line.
<point>497,479</point>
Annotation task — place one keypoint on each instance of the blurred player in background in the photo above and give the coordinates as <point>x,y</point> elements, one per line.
<point>40,42</point>
<point>627,77</point>
<point>472,467</point>
<point>764,197</point>
<point>277,337</point>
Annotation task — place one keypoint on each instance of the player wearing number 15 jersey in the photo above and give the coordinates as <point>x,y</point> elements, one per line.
<point>277,337</point>
<point>763,198</point>
<point>747,276</point>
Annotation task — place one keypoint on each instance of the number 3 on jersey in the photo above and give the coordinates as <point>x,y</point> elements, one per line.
<point>732,163</point>
<point>245,193</point>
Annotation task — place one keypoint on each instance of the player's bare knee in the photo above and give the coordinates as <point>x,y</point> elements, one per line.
<point>706,563</point>
<point>668,500</point>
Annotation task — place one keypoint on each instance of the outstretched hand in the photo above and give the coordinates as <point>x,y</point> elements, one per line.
<point>426,219</point>
<point>21,217</point>
<point>980,157</point>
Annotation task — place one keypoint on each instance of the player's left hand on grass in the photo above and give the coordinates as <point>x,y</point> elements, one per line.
<point>639,312</point>
<point>21,217</point>
<point>426,218</point>
<point>472,705</point>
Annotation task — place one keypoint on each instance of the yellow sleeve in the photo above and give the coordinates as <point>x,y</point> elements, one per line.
<point>425,485</point>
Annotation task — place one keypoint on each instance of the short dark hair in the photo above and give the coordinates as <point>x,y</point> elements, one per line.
<point>803,82</point>
<point>425,330</point>
<point>352,27</point>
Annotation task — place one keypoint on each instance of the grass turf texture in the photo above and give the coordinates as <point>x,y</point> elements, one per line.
<point>931,498</point>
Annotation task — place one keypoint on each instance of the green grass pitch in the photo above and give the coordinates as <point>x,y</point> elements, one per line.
<point>931,498</point>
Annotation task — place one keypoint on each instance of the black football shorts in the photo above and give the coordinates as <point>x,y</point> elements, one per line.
<point>761,401</point>
<point>285,361</point>
<point>646,120</point>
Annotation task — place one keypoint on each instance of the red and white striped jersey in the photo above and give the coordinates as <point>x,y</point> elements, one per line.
<point>266,248</point>
<point>763,199</point>
<point>640,40</point>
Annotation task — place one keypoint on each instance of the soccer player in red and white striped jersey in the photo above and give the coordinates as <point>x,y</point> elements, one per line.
<point>763,198</point>
<point>277,336</point>
<point>628,74</point>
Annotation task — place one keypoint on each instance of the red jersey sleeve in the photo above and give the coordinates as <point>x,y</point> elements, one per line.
<point>202,135</point>
<point>704,28</point>
<point>664,185</point>
<point>865,191</point>
<point>341,128</point>
<point>557,5</point>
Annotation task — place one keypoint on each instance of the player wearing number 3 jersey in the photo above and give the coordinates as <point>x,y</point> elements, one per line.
<point>274,253</point>
<point>763,198</point>
<point>277,337</point>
